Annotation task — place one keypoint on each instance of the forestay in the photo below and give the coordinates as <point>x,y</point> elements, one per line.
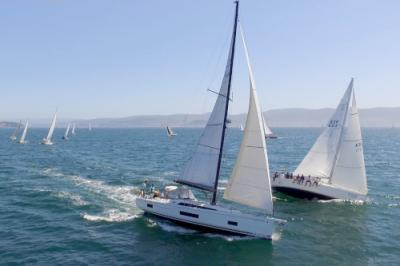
<point>201,170</point>
<point>321,158</point>
<point>249,183</point>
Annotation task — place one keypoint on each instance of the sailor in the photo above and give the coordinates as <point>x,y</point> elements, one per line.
<point>144,188</point>
<point>308,181</point>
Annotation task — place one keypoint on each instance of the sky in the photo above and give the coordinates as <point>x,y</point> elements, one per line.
<point>116,58</point>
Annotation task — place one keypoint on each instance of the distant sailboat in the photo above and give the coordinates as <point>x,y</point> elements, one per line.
<point>14,134</point>
<point>47,140</point>
<point>90,127</point>
<point>249,183</point>
<point>65,136</point>
<point>241,127</point>
<point>73,129</point>
<point>170,133</point>
<point>267,131</point>
<point>23,136</point>
<point>334,168</point>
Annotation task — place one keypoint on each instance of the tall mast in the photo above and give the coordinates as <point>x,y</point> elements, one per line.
<point>214,197</point>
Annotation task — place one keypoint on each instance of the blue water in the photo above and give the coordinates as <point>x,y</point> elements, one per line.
<point>73,203</point>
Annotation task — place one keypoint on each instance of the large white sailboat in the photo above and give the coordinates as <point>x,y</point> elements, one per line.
<point>65,136</point>
<point>248,185</point>
<point>334,168</point>
<point>14,134</point>
<point>47,140</point>
<point>23,136</point>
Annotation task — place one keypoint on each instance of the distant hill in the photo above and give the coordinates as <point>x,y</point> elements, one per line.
<point>293,117</point>
<point>5,124</point>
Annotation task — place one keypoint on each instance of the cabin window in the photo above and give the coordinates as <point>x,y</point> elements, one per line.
<point>232,223</point>
<point>189,214</point>
<point>150,205</point>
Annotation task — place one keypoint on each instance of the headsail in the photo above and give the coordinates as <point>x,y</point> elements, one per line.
<point>52,126</point>
<point>202,170</point>
<point>23,136</point>
<point>320,160</point>
<point>249,183</point>
<point>349,170</point>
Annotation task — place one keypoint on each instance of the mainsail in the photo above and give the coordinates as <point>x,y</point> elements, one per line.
<point>51,129</point>
<point>249,183</point>
<point>321,159</point>
<point>23,136</point>
<point>202,170</point>
<point>67,131</point>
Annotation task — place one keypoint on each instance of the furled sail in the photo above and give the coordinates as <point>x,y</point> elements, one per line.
<point>320,160</point>
<point>202,170</point>
<point>52,126</point>
<point>349,170</point>
<point>249,183</point>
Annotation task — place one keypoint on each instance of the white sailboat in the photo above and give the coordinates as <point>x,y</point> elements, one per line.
<point>65,136</point>
<point>47,140</point>
<point>73,129</point>
<point>249,182</point>
<point>170,132</point>
<point>334,168</point>
<point>267,131</point>
<point>13,137</point>
<point>241,127</point>
<point>23,136</point>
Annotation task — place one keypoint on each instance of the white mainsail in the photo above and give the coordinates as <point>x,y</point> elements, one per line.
<point>267,130</point>
<point>23,136</point>
<point>349,170</point>
<point>51,129</point>
<point>320,160</point>
<point>249,183</point>
<point>73,129</point>
<point>202,169</point>
<point>67,131</point>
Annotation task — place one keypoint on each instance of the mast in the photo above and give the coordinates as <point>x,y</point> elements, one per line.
<point>341,134</point>
<point>214,196</point>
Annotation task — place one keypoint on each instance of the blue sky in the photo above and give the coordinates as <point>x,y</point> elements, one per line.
<point>119,58</point>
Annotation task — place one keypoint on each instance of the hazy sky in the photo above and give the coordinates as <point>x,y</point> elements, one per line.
<point>120,58</point>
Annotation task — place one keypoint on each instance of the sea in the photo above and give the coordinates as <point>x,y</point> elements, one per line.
<point>73,203</point>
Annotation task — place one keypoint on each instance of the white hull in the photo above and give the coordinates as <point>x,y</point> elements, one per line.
<point>22,142</point>
<point>321,191</point>
<point>208,216</point>
<point>47,142</point>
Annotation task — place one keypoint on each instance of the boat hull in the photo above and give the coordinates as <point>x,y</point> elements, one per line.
<point>47,142</point>
<point>320,191</point>
<point>208,217</point>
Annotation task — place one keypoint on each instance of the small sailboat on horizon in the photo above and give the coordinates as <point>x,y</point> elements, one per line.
<point>170,132</point>
<point>47,139</point>
<point>23,136</point>
<point>13,137</point>
<point>267,131</point>
<point>73,128</point>
<point>65,136</point>
<point>334,168</point>
<point>249,184</point>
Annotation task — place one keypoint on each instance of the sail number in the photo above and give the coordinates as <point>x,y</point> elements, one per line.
<point>333,123</point>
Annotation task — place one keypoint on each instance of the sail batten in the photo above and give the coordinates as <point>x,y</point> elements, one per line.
<point>249,183</point>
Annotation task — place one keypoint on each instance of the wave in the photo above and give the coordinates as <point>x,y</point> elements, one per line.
<point>111,215</point>
<point>344,201</point>
<point>74,199</point>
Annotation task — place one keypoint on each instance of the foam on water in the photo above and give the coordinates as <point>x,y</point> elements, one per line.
<point>74,199</point>
<point>111,215</point>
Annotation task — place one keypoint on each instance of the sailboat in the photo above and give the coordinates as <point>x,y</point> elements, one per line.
<point>73,129</point>
<point>14,134</point>
<point>334,168</point>
<point>23,136</point>
<point>65,136</point>
<point>267,131</point>
<point>241,127</point>
<point>249,183</point>
<point>47,140</point>
<point>170,133</point>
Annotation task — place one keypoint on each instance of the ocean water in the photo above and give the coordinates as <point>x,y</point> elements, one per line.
<point>73,203</point>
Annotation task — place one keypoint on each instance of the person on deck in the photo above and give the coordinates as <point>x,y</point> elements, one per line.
<point>144,188</point>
